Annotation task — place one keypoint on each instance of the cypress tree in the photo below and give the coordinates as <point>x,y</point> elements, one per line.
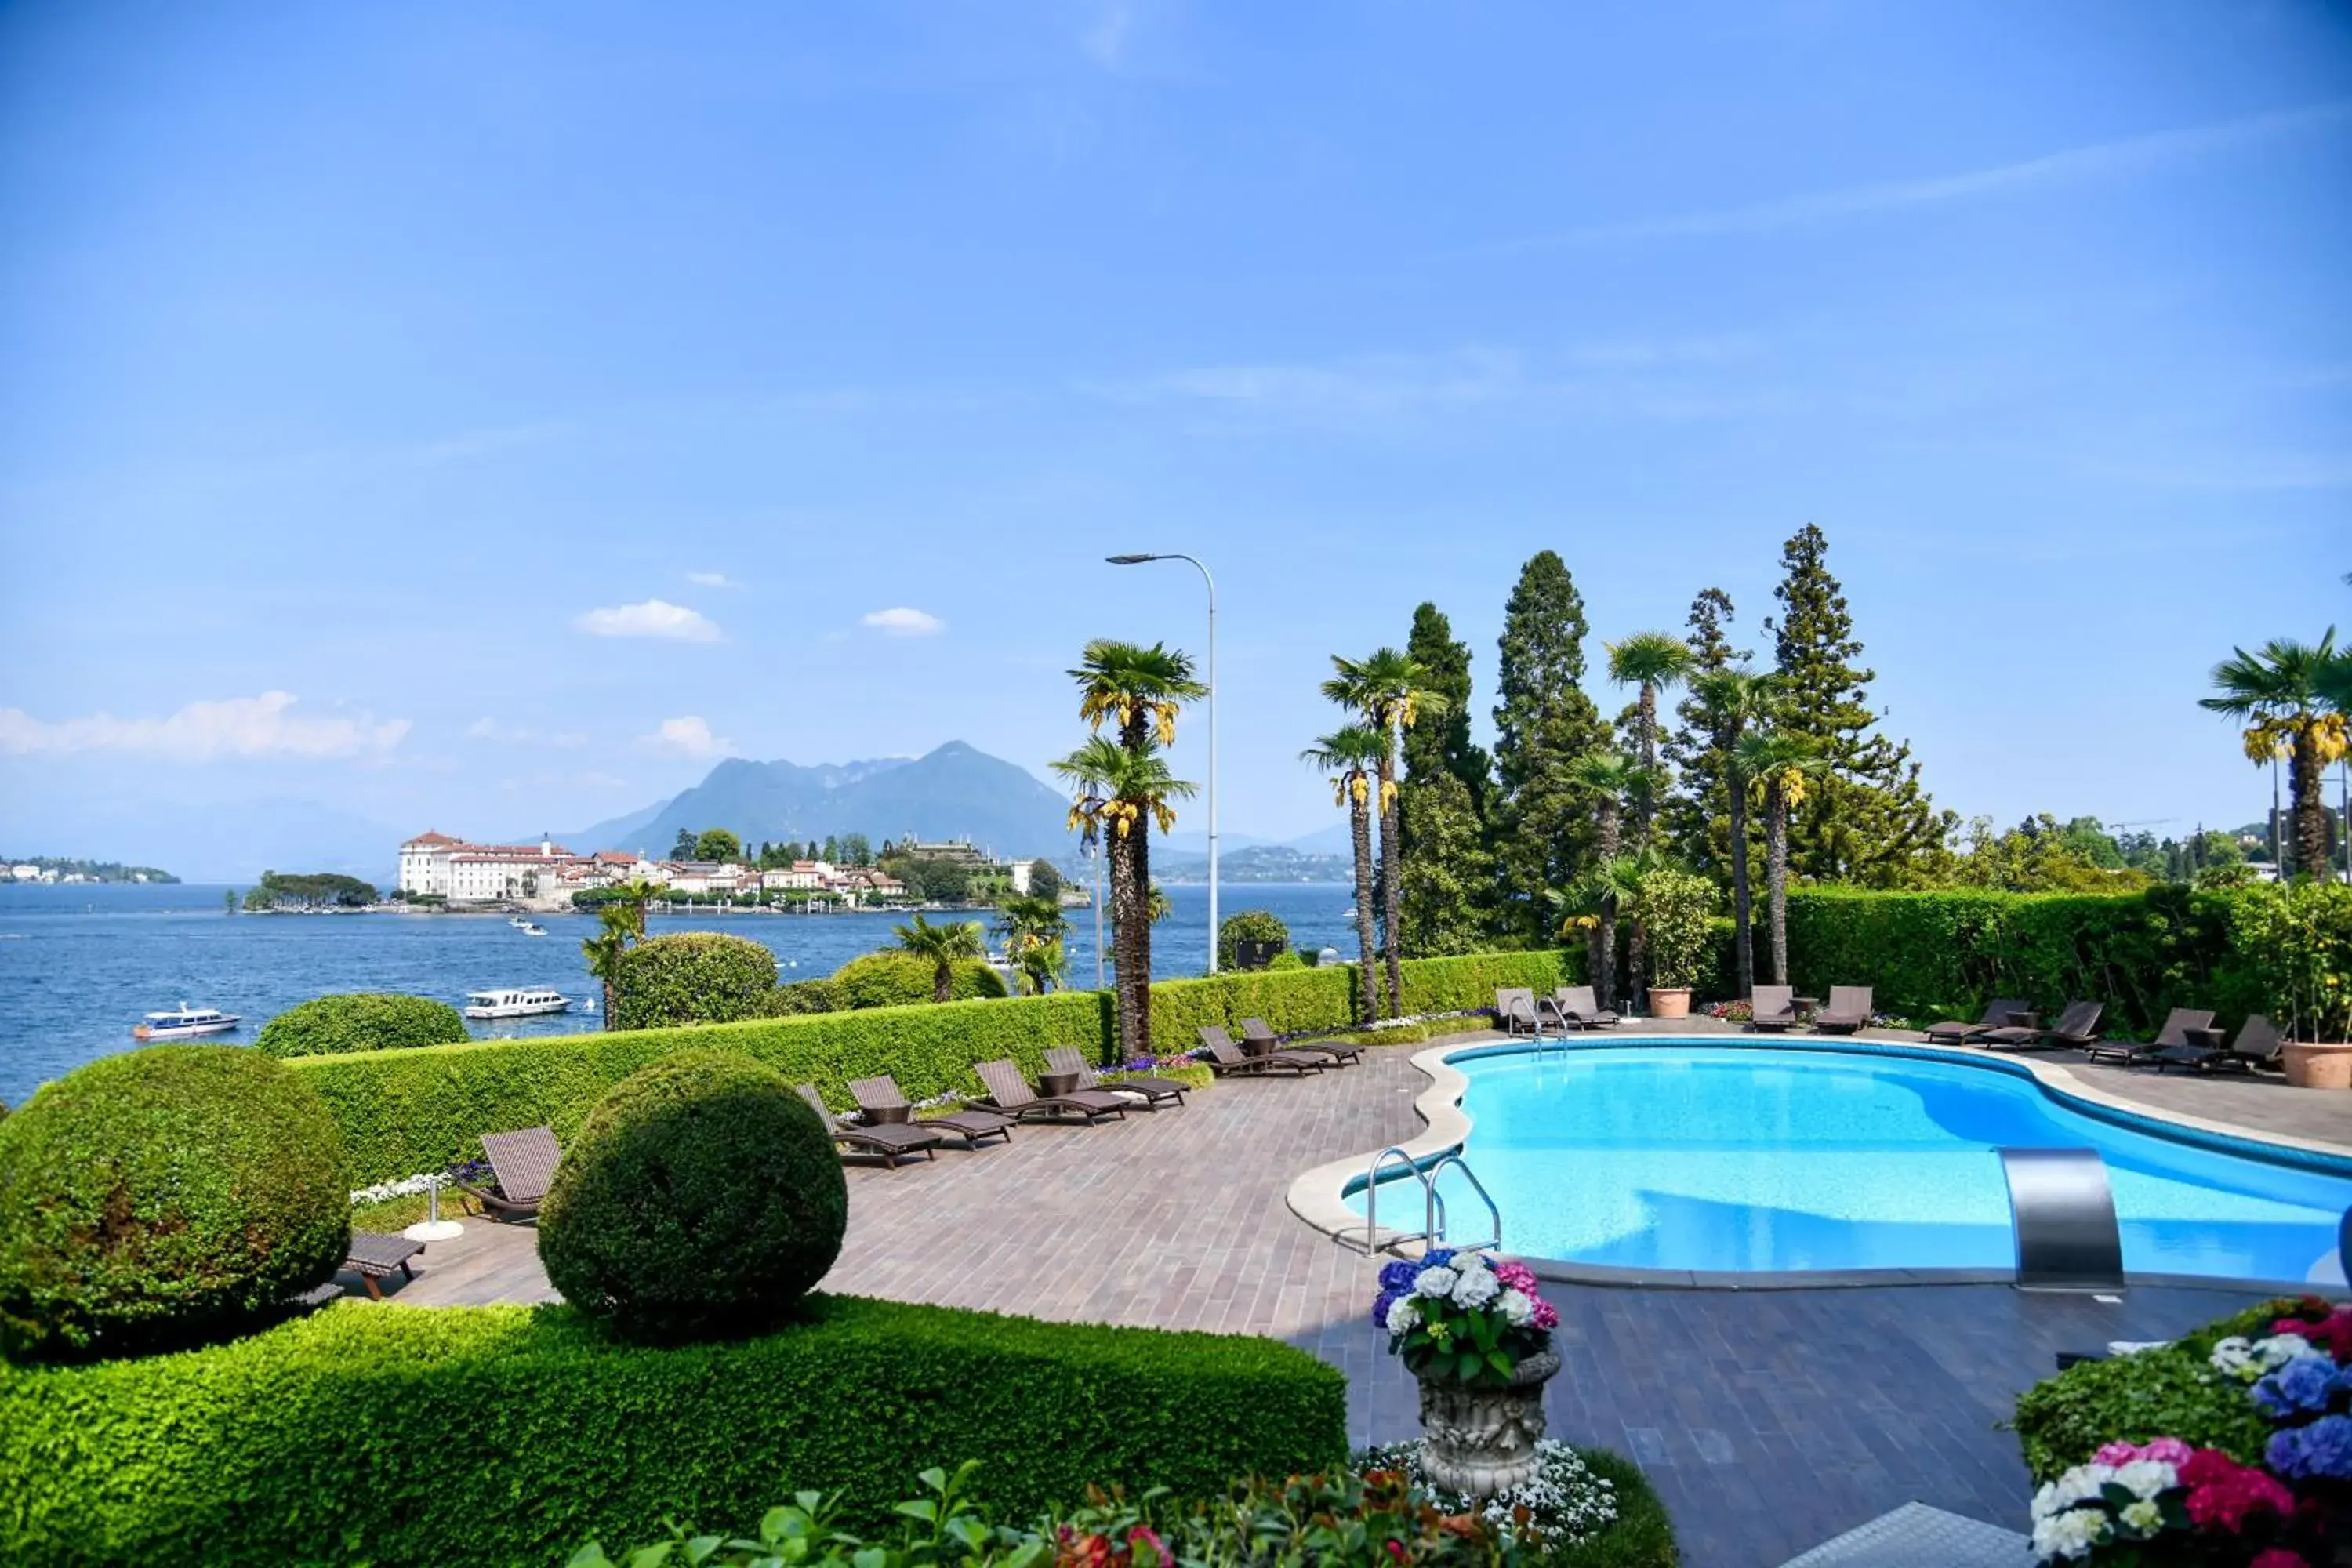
<point>1444,742</point>
<point>1544,721</point>
<point>1698,817</point>
<point>1867,821</point>
<point>1448,875</point>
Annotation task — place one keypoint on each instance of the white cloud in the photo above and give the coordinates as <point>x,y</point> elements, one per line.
<point>1367,383</point>
<point>689,736</point>
<point>260,726</point>
<point>488,728</point>
<point>709,579</point>
<point>902,622</point>
<point>653,618</point>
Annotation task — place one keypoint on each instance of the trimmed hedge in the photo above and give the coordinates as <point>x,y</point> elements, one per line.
<point>890,979</point>
<point>361,1021</point>
<point>693,977</point>
<point>495,1435</point>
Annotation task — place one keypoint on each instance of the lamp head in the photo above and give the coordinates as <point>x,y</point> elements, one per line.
<point>1129,560</point>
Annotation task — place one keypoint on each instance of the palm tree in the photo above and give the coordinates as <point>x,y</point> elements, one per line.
<point>942,947</point>
<point>1389,689</point>
<point>1117,793</point>
<point>1775,763</point>
<point>1352,755</point>
<point>620,921</point>
<point>1611,777</point>
<point>2281,686</point>
<point>1736,701</point>
<point>1651,661</point>
<point>1028,925</point>
<point>1139,690</point>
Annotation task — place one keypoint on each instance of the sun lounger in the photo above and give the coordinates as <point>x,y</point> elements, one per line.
<point>374,1255</point>
<point>2077,1025</point>
<point>894,1141</point>
<point>521,1165</point>
<point>1014,1095</point>
<point>1772,1008</point>
<point>1574,1008</point>
<point>1960,1031</point>
<point>880,1098</point>
<point>1849,1010</point>
<point>2257,1046</point>
<point>1256,1030</point>
<point>1514,1010</point>
<point>1155,1091</point>
<point>2173,1036</point>
<point>1224,1057</point>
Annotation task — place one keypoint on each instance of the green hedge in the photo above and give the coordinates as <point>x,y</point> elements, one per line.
<point>495,1435</point>
<point>892,979</point>
<point>361,1021</point>
<point>693,977</point>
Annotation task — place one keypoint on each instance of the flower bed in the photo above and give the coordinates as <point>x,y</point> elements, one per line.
<point>1461,1316</point>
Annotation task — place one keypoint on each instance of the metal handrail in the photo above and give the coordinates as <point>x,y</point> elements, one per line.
<point>1373,1200</point>
<point>1433,1210</point>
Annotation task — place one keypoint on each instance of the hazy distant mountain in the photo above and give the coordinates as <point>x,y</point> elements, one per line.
<point>955,791</point>
<point>1336,839</point>
<point>220,842</point>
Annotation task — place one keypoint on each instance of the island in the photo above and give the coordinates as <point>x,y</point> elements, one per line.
<point>66,869</point>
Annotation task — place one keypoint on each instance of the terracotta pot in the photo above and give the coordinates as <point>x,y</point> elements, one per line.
<point>1669,1001</point>
<point>1481,1441</point>
<point>2322,1066</point>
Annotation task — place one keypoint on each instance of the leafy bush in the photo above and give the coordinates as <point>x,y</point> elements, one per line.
<point>164,1197</point>
<point>1676,909</point>
<point>1248,925</point>
<point>495,1435</point>
<point>1286,959</point>
<point>900,979</point>
<point>799,996</point>
<point>701,1199</point>
<point>361,1021</point>
<point>693,977</point>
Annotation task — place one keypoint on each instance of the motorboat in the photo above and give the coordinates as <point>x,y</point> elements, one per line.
<point>517,921</point>
<point>528,1003</point>
<point>531,929</point>
<point>184,1023</point>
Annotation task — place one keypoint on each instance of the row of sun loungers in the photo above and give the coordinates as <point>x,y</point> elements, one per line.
<point>1518,1010</point>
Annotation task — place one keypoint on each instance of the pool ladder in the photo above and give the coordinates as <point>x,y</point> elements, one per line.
<point>1433,1206</point>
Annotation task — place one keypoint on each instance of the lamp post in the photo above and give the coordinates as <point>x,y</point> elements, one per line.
<point>1212,583</point>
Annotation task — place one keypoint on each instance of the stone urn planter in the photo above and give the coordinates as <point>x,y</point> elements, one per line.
<point>1670,1001</point>
<point>2328,1064</point>
<point>1482,1441</point>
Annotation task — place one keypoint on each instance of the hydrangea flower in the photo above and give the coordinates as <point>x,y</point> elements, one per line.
<point>1435,1282</point>
<point>2302,1386</point>
<point>2322,1450</point>
<point>2145,1477</point>
<point>2223,1493</point>
<point>1383,1301</point>
<point>1402,1315</point>
<point>1516,1276</point>
<point>1546,1316</point>
<point>2163,1450</point>
<point>2070,1534</point>
<point>1397,1275</point>
<point>1516,1308</point>
<point>1475,1289</point>
<point>1438,1257</point>
<point>2143,1516</point>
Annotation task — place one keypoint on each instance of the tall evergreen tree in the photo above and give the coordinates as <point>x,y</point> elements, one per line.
<point>1697,818</point>
<point>1867,820</point>
<point>1544,721</point>
<point>1448,875</point>
<point>1444,740</point>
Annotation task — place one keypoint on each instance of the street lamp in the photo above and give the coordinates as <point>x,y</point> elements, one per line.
<point>1174,555</point>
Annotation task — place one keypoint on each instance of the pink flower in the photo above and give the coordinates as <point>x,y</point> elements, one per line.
<point>1546,1316</point>
<point>2279,1557</point>
<point>2166,1451</point>
<point>1516,1276</point>
<point>2115,1454</point>
<point>2223,1493</point>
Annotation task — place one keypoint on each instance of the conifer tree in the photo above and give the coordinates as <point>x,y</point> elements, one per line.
<point>1444,742</point>
<point>1868,821</point>
<point>1544,721</point>
<point>1698,817</point>
<point>1447,876</point>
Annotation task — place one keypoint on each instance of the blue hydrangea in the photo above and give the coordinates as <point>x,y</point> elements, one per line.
<point>1388,1297</point>
<point>2321,1449</point>
<point>1438,1257</point>
<point>1398,1276</point>
<point>2301,1386</point>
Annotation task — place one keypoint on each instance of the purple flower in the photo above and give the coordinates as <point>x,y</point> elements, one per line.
<point>2321,1449</point>
<point>1437,1258</point>
<point>2302,1385</point>
<point>1398,1276</point>
<point>1386,1300</point>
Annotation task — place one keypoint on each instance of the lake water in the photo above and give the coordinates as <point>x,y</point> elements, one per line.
<point>80,965</point>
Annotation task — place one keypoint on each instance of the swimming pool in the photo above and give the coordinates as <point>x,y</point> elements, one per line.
<point>1692,1156</point>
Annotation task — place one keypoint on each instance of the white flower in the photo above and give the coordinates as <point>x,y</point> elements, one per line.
<point>1475,1289</point>
<point>2070,1534</point>
<point>1516,1308</point>
<point>2233,1356</point>
<point>2145,1477</point>
<point>1402,1315</point>
<point>2144,1516</point>
<point>2081,1484</point>
<point>2279,1349</point>
<point>1436,1283</point>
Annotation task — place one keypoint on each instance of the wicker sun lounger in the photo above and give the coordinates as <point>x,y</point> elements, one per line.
<point>521,1165</point>
<point>2077,1025</point>
<point>1155,1091</point>
<point>1772,1008</point>
<point>880,1098</point>
<point>2257,1046</point>
<point>2173,1036</point>
<point>1011,1093</point>
<point>1849,1010</point>
<point>1514,1010</point>
<point>1575,1008</point>
<point>1960,1031</point>
<point>1340,1053</point>
<point>1224,1057</point>
<point>892,1140</point>
<point>374,1255</point>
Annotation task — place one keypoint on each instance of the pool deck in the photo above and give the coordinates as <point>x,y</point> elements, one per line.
<point>1769,1420</point>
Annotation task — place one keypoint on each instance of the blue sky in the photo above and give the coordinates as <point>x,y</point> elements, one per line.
<point>485,417</point>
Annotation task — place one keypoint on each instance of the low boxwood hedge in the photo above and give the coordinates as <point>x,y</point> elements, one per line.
<point>361,1021</point>
<point>496,1435</point>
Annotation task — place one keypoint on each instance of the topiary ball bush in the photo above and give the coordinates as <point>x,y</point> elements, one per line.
<point>701,1199</point>
<point>694,977</point>
<point>1248,925</point>
<point>162,1198</point>
<point>361,1021</point>
<point>891,979</point>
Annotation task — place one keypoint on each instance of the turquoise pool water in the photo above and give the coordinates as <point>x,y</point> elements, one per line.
<point>1711,1157</point>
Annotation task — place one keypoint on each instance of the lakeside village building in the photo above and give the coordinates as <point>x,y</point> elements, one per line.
<point>545,875</point>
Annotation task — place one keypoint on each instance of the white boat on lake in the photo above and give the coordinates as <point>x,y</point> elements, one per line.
<point>184,1023</point>
<point>519,1003</point>
<point>529,929</point>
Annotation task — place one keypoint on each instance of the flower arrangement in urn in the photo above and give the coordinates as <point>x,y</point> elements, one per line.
<point>1478,1338</point>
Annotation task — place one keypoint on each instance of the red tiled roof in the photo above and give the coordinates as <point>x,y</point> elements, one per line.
<point>428,839</point>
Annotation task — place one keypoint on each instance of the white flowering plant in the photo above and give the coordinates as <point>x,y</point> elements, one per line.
<point>1461,1316</point>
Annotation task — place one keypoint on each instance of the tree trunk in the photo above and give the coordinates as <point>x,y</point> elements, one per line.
<point>943,982</point>
<point>1391,882</point>
<point>1359,822</point>
<point>1776,878</point>
<point>1646,803</point>
<point>1743,932</point>
<point>1130,912</point>
<point>2310,809</point>
<point>1637,965</point>
<point>612,1003</point>
<point>1604,980</point>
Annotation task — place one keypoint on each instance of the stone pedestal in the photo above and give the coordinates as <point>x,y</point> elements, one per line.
<point>1481,1441</point>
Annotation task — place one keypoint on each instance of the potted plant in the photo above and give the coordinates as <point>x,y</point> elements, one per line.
<point>2302,935</point>
<point>1477,1338</point>
<point>1676,909</point>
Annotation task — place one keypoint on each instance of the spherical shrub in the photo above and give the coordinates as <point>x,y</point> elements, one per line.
<point>893,979</point>
<point>164,1197</point>
<point>361,1021</point>
<point>701,1200</point>
<point>1248,925</point>
<point>694,977</point>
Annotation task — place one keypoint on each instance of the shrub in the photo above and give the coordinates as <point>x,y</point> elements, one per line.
<point>1248,925</point>
<point>1676,909</point>
<point>495,1435</point>
<point>1286,959</point>
<point>361,1021</point>
<point>164,1197</point>
<point>894,979</point>
<point>799,996</point>
<point>693,977</point>
<point>701,1199</point>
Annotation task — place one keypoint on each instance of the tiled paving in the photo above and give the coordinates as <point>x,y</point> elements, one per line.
<point>1770,1421</point>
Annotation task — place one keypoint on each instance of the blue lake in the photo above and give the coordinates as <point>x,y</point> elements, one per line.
<point>80,965</point>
